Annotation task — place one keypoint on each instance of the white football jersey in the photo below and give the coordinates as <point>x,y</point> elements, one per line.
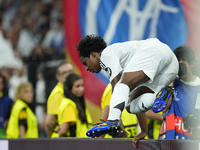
<point>115,57</point>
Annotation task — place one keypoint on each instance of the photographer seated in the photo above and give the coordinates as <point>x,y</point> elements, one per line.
<point>182,114</point>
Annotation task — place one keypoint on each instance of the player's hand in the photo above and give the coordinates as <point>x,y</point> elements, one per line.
<point>136,139</point>
<point>122,130</point>
<point>124,133</point>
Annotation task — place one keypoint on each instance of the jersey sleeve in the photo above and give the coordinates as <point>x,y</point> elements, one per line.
<point>111,65</point>
<point>69,114</point>
<point>54,104</point>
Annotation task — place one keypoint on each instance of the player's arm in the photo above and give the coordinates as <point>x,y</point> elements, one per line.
<point>154,116</point>
<point>115,80</point>
<point>144,128</point>
<point>50,123</point>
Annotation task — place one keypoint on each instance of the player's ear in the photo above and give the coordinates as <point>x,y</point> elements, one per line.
<point>93,54</point>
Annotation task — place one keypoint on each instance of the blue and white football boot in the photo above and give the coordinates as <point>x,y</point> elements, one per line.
<point>162,99</point>
<point>107,127</point>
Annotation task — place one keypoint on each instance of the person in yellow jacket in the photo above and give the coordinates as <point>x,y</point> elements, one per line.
<point>73,116</point>
<point>54,100</point>
<point>129,120</point>
<point>22,122</point>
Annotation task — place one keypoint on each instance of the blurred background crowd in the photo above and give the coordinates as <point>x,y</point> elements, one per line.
<point>31,46</point>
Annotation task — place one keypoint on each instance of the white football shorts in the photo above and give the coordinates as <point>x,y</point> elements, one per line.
<point>158,62</point>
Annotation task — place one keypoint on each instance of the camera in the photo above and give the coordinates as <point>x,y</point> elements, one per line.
<point>191,123</point>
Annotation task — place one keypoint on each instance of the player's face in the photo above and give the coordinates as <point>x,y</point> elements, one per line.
<point>92,63</point>
<point>78,88</point>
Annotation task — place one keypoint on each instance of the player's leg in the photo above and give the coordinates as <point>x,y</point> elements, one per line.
<point>118,102</point>
<point>168,74</point>
<point>141,100</point>
<point>147,101</point>
<point>120,96</point>
<point>161,91</point>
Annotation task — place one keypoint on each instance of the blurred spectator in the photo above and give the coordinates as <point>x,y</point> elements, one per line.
<point>7,57</point>
<point>18,76</point>
<point>182,119</point>
<point>40,99</point>
<point>12,37</point>
<point>79,121</point>
<point>7,73</point>
<point>16,25</point>
<point>10,66</point>
<point>28,38</point>
<point>9,12</point>
<point>5,106</point>
<point>22,122</point>
<point>56,11</point>
<point>37,51</point>
<point>54,100</point>
<point>42,15</point>
<point>55,37</point>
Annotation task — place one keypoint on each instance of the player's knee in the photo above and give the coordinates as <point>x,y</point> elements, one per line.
<point>133,79</point>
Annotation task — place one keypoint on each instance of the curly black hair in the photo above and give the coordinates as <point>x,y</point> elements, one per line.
<point>90,43</point>
<point>185,53</point>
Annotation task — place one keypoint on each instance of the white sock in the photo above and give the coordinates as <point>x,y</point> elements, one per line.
<point>118,101</point>
<point>142,103</point>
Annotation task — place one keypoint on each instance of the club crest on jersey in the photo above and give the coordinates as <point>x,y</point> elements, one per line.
<point>107,69</point>
<point>175,96</point>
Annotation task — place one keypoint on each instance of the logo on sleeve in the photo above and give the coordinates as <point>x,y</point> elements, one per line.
<point>107,69</point>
